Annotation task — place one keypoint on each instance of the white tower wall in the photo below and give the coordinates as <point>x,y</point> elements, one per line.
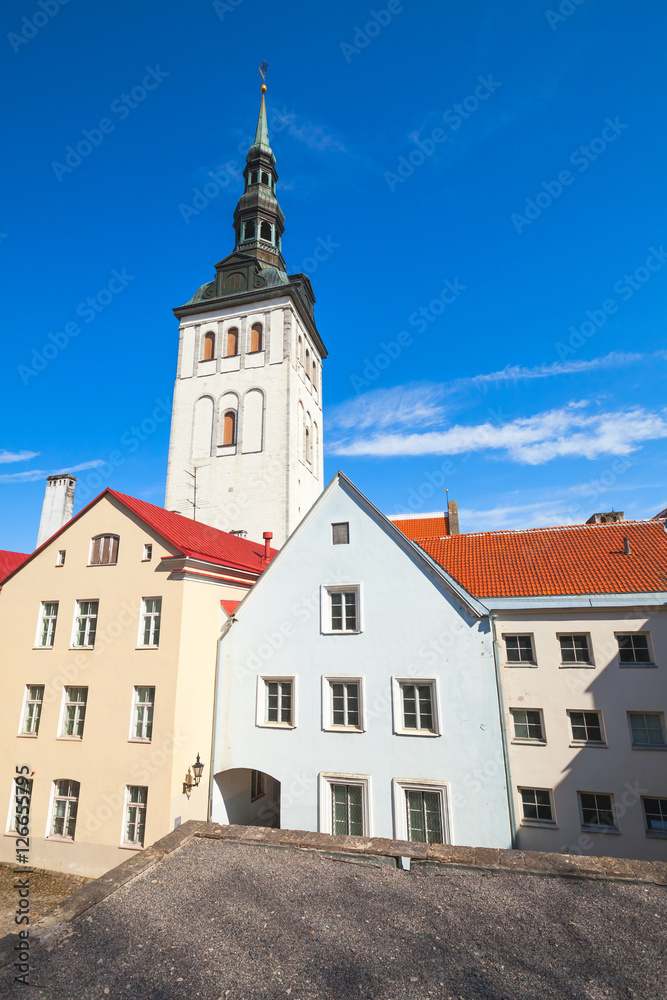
<point>57,507</point>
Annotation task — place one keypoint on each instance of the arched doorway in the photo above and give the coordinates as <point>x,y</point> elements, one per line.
<point>247,797</point>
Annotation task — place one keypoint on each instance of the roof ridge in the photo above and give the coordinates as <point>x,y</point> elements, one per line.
<point>556,527</point>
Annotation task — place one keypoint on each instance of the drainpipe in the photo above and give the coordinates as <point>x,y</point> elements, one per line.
<point>503,732</point>
<point>218,667</point>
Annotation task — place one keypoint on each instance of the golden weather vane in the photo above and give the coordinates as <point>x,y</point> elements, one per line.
<point>262,70</point>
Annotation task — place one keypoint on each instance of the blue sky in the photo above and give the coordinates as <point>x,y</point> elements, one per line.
<point>485,181</point>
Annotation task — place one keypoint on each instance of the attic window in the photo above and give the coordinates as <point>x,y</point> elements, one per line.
<point>104,550</point>
<point>340,533</point>
<point>148,552</point>
<point>60,559</point>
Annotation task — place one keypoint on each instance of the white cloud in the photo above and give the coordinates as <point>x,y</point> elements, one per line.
<point>514,373</point>
<point>16,456</point>
<point>571,431</point>
<point>404,405</point>
<point>32,475</point>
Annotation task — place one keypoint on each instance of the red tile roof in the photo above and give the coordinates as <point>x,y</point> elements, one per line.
<point>579,559</point>
<point>427,526</point>
<point>230,606</point>
<point>197,540</point>
<point>9,561</point>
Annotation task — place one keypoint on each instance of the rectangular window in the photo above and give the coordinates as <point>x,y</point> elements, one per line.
<point>104,550</point>
<point>575,649</point>
<point>647,728</point>
<point>60,559</point>
<point>21,804</point>
<point>279,702</point>
<point>633,647</point>
<point>655,816</point>
<point>528,724</point>
<point>597,811</point>
<point>587,728</point>
<point>343,610</point>
<point>340,533</point>
<point>135,816</point>
<point>151,611</point>
<point>32,712</point>
<point>519,649</point>
<point>347,809</point>
<point>148,553</point>
<point>46,630</point>
<point>85,624</point>
<point>345,704</point>
<point>65,804</point>
<point>424,816</point>
<point>74,711</point>
<point>417,706</point>
<point>536,805</point>
<point>257,789</point>
<point>142,721</point>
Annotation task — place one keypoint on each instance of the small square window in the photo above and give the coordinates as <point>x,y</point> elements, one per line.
<point>60,558</point>
<point>340,533</point>
<point>536,805</point>
<point>647,729</point>
<point>421,811</point>
<point>575,649</point>
<point>342,703</point>
<point>416,709</point>
<point>276,702</point>
<point>528,724</point>
<point>519,649</point>
<point>148,552</point>
<point>341,611</point>
<point>32,711</point>
<point>587,729</point>
<point>597,812</point>
<point>655,816</point>
<point>633,647</point>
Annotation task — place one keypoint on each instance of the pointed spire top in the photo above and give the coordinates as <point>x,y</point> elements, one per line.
<point>262,131</point>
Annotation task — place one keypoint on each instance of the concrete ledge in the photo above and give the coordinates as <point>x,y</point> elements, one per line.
<point>55,925</point>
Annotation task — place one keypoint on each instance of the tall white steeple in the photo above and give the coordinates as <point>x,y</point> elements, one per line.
<point>246,430</point>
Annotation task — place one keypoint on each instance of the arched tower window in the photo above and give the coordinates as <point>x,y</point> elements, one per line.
<point>232,342</point>
<point>300,349</point>
<point>249,230</point>
<point>306,445</point>
<point>307,363</point>
<point>265,231</point>
<point>209,346</point>
<point>315,376</point>
<point>265,178</point>
<point>256,337</point>
<point>229,428</point>
<point>253,177</point>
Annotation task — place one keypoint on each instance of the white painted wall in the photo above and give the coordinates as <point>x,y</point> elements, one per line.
<point>615,690</point>
<point>262,483</point>
<point>411,626</point>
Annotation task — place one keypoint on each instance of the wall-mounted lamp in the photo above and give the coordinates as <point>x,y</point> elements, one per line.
<point>197,770</point>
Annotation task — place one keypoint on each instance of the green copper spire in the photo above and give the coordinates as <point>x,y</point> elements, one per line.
<point>262,131</point>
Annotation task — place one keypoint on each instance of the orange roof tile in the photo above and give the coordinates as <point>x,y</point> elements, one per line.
<point>9,561</point>
<point>429,526</point>
<point>578,559</point>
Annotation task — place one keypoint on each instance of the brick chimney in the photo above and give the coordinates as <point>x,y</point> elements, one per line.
<point>58,505</point>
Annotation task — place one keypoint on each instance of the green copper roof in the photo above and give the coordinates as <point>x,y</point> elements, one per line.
<point>262,131</point>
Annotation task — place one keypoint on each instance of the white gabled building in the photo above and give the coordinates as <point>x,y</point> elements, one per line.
<point>357,692</point>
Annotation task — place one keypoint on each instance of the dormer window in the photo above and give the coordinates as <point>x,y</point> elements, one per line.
<point>265,178</point>
<point>265,231</point>
<point>249,230</point>
<point>104,550</point>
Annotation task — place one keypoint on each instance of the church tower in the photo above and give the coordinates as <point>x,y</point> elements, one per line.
<point>246,426</point>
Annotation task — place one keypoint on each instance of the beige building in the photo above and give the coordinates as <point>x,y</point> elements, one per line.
<point>580,624</point>
<point>108,635</point>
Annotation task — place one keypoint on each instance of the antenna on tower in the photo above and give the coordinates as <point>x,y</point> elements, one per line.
<point>195,506</point>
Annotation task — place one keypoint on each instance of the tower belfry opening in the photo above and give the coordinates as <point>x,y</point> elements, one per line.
<point>247,413</point>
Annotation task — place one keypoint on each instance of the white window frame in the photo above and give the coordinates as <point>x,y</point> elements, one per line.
<point>329,778</point>
<point>148,552</point>
<point>62,735</point>
<point>576,665</point>
<point>24,709</point>
<point>633,664</point>
<point>327,702</point>
<point>590,828</point>
<point>42,617</point>
<point>61,838</point>
<point>262,695</point>
<point>77,615</point>
<point>133,845</point>
<point>135,704</point>
<point>143,615</point>
<point>530,664</point>
<point>60,558</point>
<point>529,740</point>
<point>648,746</point>
<point>326,590</point>
<point>548,823</point>
<point>588,743</point>
<point>402,785</point>
<point>397,699</point>
<point>10,828</point>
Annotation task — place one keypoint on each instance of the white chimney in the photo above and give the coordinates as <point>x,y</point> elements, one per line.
<point>58,505</point>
